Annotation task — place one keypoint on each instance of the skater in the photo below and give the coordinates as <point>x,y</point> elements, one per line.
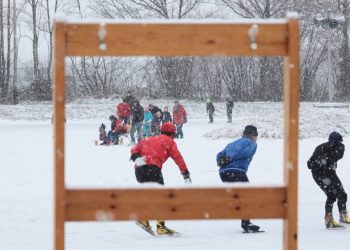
<point>234,161</point>
<point>154,109</point>
<point>124,112</point>
<point>166,117</point>
<point>229,108</point>
<point>103,135</point>
<point>147,122</point>
<point>323,165</point>
<point>117,128</point>
<point>210,110</point>
<point>136,122</point>
<point>156,123</point>
<point>149,156</point>
<point>179,118</point>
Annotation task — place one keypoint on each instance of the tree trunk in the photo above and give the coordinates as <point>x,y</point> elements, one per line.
<point>2,50</point>
<point>36,82</point>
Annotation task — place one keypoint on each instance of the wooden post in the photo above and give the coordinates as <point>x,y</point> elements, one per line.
<point>291,134</point>
<point>58,123</point>
<point>176,39</point>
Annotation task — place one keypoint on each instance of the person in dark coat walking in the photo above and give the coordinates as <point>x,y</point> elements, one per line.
<point>323,165</point>
<point>210,110</point>
<point>234,161</point>
<point>229,108</point>
<point>149,156</point>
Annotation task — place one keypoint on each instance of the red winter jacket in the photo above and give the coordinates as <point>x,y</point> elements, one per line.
<point>157,150</point>
<point>179,114</point>
<point>123,110</point>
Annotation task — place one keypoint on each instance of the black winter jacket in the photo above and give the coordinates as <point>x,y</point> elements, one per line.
<point>326,155</point>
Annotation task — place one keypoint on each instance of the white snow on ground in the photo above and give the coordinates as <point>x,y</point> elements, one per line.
<point>26,178</point>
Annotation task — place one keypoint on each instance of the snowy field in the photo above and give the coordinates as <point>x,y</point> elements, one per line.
<point>26,179</point>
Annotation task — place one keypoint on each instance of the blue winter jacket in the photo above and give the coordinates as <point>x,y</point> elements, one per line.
<point>148,116</point>
<point>239,154</point>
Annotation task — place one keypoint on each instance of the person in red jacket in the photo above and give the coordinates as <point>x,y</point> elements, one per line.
<point>124,112</point>
<point>179,118</point>
<point>149,156</point>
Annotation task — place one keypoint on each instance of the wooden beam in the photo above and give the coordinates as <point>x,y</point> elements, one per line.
<point>193,203</point>
<point>169,39</point>
<point>58,127</point>
<point>291,112</point>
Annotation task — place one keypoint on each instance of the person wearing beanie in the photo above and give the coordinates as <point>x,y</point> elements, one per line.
<point>233,162</point>
<point>149,156</point>
<point>323,165</point>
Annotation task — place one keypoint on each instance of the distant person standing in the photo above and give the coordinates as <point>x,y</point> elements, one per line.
<point>124,112</point>
<point>210,110</point>
<point>179,118</point>
<point>323,165</point>
<point>166,117</point>
<point>137,122</point>
<point>154,109</point>
<point>234,161</point>
<point>229,108</point>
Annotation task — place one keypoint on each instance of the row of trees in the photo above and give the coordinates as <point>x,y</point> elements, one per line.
<point>24,22</point>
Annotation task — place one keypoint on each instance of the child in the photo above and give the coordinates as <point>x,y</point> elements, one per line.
<point>117,128</point>
<point>102,135</point>
<point>156,123</point>
<point>147,120</point>
<point>166,117</point>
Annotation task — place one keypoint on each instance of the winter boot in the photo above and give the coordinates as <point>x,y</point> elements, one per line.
<point>344,217</point>
<point>330,222</point>
<point>162,229</point>
<point>249,227</point>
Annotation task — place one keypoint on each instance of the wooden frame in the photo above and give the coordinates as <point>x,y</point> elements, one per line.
<point>250,38</point>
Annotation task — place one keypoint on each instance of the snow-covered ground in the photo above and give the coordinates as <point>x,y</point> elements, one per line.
<point>26,178</point>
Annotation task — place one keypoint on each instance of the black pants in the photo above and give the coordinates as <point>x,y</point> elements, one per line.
<point>235,176</point>
<point>211,118</point>
<point>149,173</point>
<point>331,185</point>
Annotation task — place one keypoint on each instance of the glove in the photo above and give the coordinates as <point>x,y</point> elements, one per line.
<point>186,176</point>
<point>140,161</point>
<point>133,157</point>
<point>222,161</point>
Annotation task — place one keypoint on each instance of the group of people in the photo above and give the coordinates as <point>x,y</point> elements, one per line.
<point>141,122</point>
<point>233,162</point>
<point>211,109</point>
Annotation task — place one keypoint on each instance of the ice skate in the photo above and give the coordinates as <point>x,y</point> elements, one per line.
<point>344,217</point>
<point>163,230</point>
<point>249,227</point>
<point>331,223</point>
<point>144,224</point>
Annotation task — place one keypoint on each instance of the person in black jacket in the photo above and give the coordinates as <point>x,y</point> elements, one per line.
<point>323,165</point>
<point>210,110</point>
<point>137,122</point>
<point>229,108</point>
<point>166,116</point>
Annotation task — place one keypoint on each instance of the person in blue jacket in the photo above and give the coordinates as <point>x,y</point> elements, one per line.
<point>234,161</point>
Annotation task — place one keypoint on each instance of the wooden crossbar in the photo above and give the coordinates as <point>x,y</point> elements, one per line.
<point>175,204</point>
<point>180,39</point>
<point>175,39</point>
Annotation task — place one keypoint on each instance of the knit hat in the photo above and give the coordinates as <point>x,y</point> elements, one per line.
<point>335,137</point>
<point>250,130</point>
